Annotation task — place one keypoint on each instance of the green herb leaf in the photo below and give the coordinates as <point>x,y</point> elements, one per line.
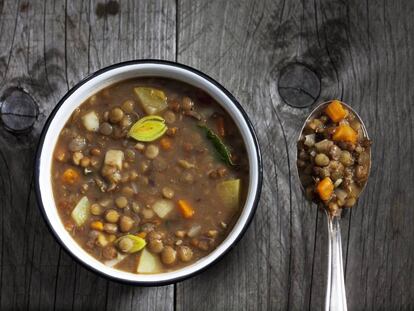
<point>222,150</point>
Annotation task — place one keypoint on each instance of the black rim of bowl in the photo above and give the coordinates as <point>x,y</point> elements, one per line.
<point>159,62</point>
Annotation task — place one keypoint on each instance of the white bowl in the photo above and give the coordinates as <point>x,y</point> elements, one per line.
<point>95,83</point>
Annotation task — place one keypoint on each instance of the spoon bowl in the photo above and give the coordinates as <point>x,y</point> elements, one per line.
<point>316,112</point>
<point>335,298</point>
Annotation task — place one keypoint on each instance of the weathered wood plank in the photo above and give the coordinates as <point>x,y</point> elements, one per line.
<point>138,30</point>
<point>328,51</point>
<point>29,249</point>
<point>56,69</point>
<point>380,265</point>
<point>47,47</point>
<point>108,39</point>
<point>256,275</point>
<point>361,51</point>
<point>336,39</point>
<point>7,26</point>
<point>257,49</point>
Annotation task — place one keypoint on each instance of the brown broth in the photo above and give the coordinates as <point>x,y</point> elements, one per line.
<point>196,185</point>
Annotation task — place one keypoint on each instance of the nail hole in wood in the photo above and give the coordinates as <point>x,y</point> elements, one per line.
<point>299,86</point>
<point>18,110</point>
<point>107,8</point>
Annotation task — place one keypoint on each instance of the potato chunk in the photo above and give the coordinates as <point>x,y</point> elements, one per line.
<point>91,121</point>
<point>114,158</point>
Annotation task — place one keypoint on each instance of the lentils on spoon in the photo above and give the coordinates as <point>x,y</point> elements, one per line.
<point>334,157</point>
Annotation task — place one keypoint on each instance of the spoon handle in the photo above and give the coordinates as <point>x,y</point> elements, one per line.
<point>335,293</point>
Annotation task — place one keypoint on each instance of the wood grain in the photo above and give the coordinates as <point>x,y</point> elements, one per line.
<point>46,48</point>
<point>258,273</point>
<point>252,44</point>
<point>361,51</point>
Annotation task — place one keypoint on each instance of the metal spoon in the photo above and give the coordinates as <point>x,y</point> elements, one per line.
<point>335,298</point>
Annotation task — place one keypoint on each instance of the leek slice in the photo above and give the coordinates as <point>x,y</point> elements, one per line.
<point>148,128</point>
<point>137,243</point>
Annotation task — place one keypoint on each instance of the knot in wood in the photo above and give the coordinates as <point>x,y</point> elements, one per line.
<point>299,86</point>
<point>18,110</point>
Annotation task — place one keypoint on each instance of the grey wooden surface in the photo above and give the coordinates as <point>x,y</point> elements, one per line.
<point>360,51</point>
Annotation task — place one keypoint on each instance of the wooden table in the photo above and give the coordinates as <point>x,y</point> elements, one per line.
<point>272,55</point>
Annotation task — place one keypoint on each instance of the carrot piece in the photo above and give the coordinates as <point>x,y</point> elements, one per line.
<point>61,155</point>
<point>185,208</point>
<point>345,133</point>
<point>166,143</point>
<point>70,176</point>
<point>142,234</point>
<point>220,126</point>
<point>156,222</point>
<point>172,131</point>
<point>69,225</point>
<point>325,188</point>
<point>65,206</point>
<point>97,225</point>
<point>336,111</point>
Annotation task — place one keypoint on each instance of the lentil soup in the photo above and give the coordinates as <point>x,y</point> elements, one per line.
<point>149,175</point>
